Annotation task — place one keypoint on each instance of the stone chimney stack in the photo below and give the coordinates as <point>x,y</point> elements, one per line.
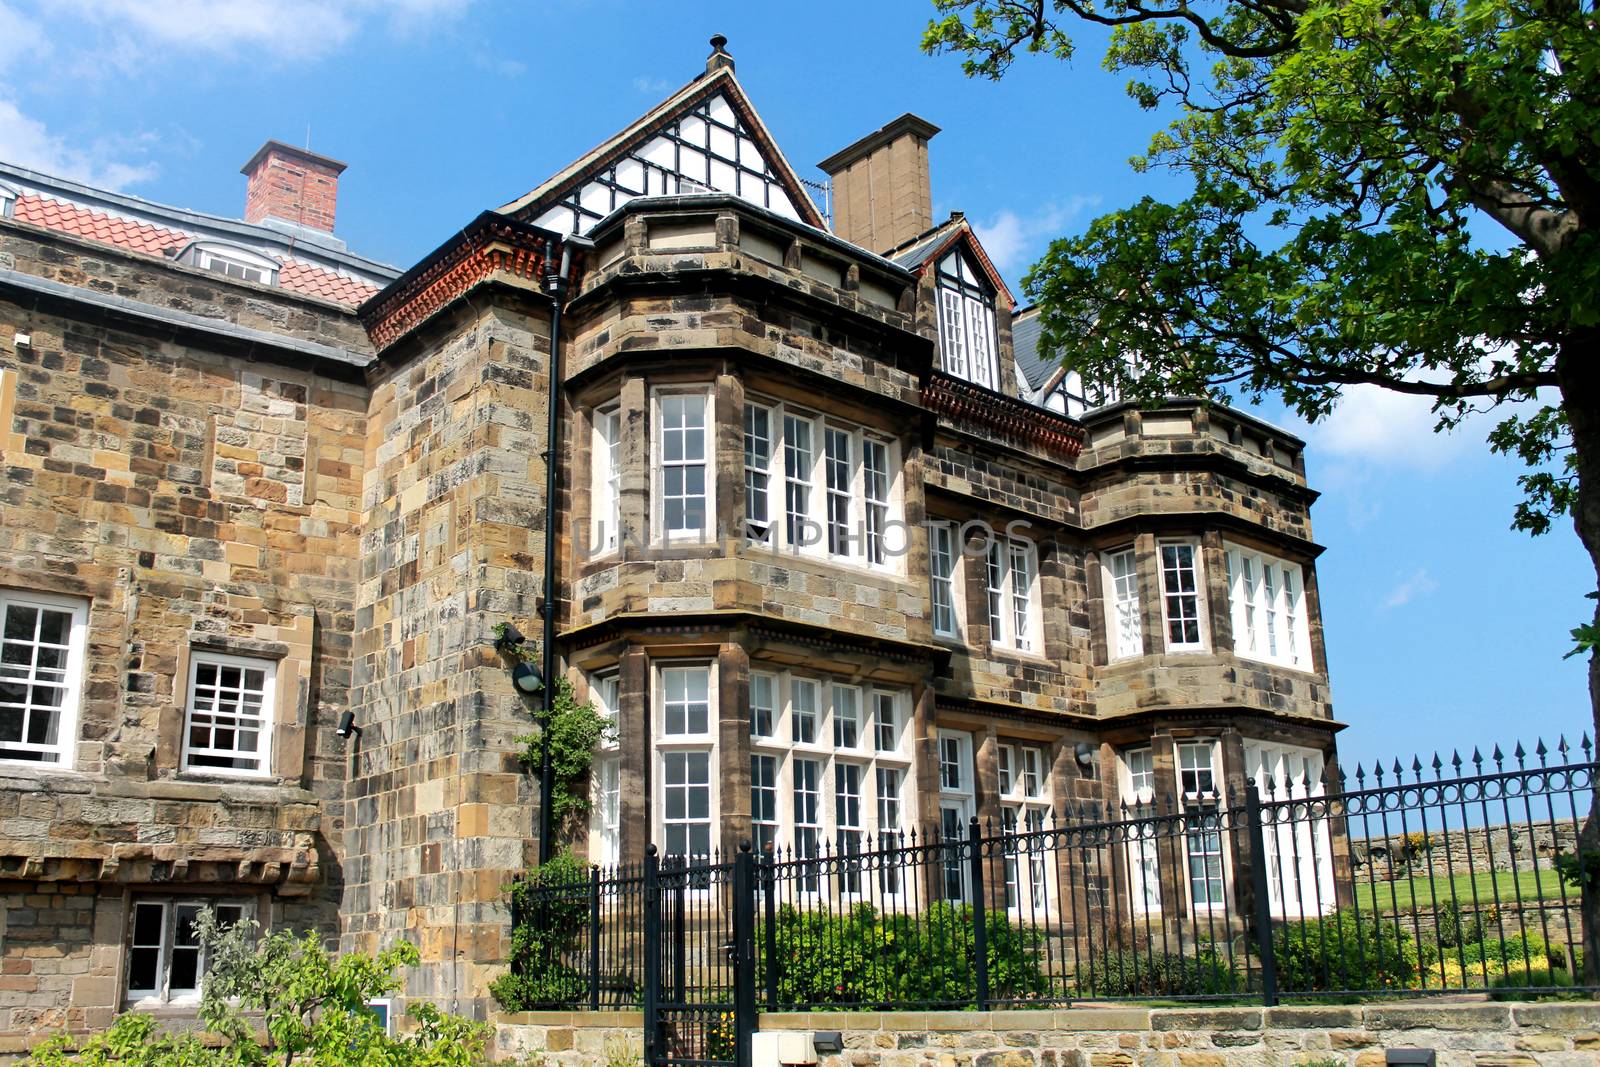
<point>882,197</point>
<point>291,185</point>
<point>719,57</point>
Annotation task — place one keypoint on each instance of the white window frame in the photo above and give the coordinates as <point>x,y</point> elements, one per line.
<point>231,261</point>
<point>605,824</point>
<point>869,754</point>
<point>1267,598</point>
<point>1169,596</point>
<point>706,531</point>
<point>59,753</point>
<point>956,805</point>
<point>605,483</point>
<point>1124,623</point>
<point>816,492</point>
<point>1299,849</point>
<point>162,992</point>
<point>1142,852</point>
<point>758,453</point>
<point>1203,823</point>
<point>1026,809</point>
<point>966,312</point>
<point>269,714</point>
<point>1013,605</point>
<point>8,201</point>
<point>685,742</point>
<point>945,574</point>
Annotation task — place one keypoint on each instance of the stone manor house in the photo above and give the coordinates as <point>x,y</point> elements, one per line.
<point>842,552</point>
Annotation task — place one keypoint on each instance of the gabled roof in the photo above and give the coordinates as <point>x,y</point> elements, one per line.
<point>931,246</point>
<point>597,167</point>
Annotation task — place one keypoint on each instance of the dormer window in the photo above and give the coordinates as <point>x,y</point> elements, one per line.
<point>966,322</point>
<point>240,264</point>
<point>8,201</point>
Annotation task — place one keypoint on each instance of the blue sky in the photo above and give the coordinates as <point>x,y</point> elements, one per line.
<point>1444,627</point>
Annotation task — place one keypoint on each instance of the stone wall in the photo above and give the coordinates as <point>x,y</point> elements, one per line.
<point>1462,1035</point>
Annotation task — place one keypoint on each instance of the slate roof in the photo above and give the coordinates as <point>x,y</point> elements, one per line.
<point>1034,365</point>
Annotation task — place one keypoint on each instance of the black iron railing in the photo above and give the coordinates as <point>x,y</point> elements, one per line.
<point>1440,879</point>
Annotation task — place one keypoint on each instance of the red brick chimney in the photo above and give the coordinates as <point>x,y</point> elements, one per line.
<point>293,185</point>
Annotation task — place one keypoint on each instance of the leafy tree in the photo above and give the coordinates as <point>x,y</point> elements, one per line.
<point>1401,195</point>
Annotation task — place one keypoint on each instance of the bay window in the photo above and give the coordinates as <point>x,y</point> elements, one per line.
<point>1198,775</point>
<point>166,962</point>
<point>686,749</point>
<point>956,798</point>
<point>606,775</point>
<point>1267,597</point>
<point>1299,856</point>
<point>1142,850</point>
<point>605,495</point>
<point>683,487</point>
<point>1182,602</point>
<point>839,781</point>
<point>838,485</point>
<point>42,641</point>
<point>1024,814</point>
<point>1012,568</point>
<point>966,321</point>
<point>1121,583</point>
<point>944,565</point>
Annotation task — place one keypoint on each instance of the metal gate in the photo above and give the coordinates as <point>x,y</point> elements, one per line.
<point>699,965</point>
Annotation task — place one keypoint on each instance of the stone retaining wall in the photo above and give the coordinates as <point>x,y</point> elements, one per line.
<point>1463,1034</point>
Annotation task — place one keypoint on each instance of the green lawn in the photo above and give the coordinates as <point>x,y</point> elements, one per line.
<point>1422,893</point>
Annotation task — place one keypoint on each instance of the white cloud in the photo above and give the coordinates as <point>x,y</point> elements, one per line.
<point>1013,240</point>
<point>1418,585</point>
<point>20,37</point>
<point>26,142</point>
<point>1378,425</point>
<point>279,29</point>
<point>653,86</point>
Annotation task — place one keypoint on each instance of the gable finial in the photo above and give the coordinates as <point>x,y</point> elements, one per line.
<point>719,57</point>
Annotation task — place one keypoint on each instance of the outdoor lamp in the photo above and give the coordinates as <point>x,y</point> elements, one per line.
<point>527,678</point>
<point>347,724</point>
<point>1085,753</point>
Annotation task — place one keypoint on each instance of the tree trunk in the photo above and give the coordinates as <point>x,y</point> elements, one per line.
<point>1578,370</point>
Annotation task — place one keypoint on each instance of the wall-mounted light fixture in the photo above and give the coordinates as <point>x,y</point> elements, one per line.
<point>1424,1056</point>
<point>1085,753</point>
<point>527,678</point>
<point>347,725</point>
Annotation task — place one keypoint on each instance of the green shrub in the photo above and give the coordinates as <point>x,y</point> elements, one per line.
<point>861,959</point>
<point>1341,953</point>
<point>1515,984</point>
<point>1132,973</point>
<point>1518,950</point>
<point>551,908</point>
<point>1455,928</point>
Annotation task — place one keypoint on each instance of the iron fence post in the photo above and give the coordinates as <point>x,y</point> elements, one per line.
<point>1258,890</point>
<point>744,949</point>
<point>652,953</point>
<point>769,932</point>
<point>594,938</point>
<point>680,934</point>
<point>980,930</point>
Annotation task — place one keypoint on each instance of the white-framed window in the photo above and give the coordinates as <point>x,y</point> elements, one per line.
<point>684,506</point>
<point>1125,636</point>
<point>1299,856</point>
<point>832,773</point>
<point>8,201</point>
<point>228,721</point>
<point>686,755</point>
<point>955,808</point>
<point>606,775</point>
<point>1024,814</point>
<point>1012,569</point>
<point>758,437</point>
<point>763,704</point>
<point>1142,851</point>
<point>1267,596</point>
<point>42,642</point>
<point>166,962</point>
<point>241,264</point>
<point>944,565</point>
<point>1182,601</point>
<point>605,490</point>
<point>966,322</point>
<point>840,487</point>
<point>1198,776</point>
